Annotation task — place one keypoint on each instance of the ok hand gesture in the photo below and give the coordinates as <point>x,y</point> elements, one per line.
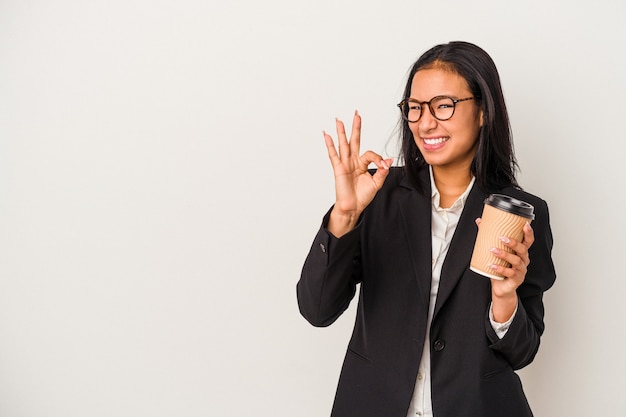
<point>355,187</point>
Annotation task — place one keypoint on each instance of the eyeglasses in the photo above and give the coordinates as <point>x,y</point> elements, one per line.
<point>441,107</point>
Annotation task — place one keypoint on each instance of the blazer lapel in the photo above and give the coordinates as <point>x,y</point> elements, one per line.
<point>416,212</point>
<point>461,247</point>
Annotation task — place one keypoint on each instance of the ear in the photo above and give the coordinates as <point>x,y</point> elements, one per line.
<point>481,118</point>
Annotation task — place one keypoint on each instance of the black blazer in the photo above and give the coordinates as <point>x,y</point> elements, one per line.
<point>389,254</point>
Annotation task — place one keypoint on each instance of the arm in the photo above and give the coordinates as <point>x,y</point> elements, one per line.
<point>329,277</point>
<point>531,274</point>
<point>332,268</point>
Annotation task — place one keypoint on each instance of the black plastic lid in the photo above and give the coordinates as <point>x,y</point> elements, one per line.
<point>511,205</point>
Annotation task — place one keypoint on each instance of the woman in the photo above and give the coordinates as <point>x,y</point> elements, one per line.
<point>431,338</point>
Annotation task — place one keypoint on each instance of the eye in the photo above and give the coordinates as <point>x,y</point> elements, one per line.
<point>443,103</point>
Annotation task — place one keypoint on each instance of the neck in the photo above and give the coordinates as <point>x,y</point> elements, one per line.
<point>451,184</point>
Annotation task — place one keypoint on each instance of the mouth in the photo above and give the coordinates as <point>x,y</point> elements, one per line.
<point>435,141</point>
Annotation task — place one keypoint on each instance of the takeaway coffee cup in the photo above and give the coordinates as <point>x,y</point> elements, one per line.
<point>502,216</point>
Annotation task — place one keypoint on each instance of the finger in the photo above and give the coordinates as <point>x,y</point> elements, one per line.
<point>381,173</point>
<point>477,221</point>
<point>512,279</point>
<point>519,259</point>
<point>384,163</point>
<point>516,246</point>
<point>330,146</point>
<point>344,147</point>
<point>370,157</point>
<point>516,261</point>
<point>355,135</point>
<point>529,235</point>
<point>500,270</point>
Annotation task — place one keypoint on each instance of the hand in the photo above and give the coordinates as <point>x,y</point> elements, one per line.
<point>355,187</point>
<point>503,292</point>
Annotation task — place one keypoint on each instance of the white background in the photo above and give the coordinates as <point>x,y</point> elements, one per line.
<point>163,173</point>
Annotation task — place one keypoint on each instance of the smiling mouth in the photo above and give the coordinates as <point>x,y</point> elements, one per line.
<point>435,141</point>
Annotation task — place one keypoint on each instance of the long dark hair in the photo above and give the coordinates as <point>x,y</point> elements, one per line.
<point>494,164</point>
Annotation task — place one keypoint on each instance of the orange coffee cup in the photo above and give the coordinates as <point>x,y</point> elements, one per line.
<point>502,216</point>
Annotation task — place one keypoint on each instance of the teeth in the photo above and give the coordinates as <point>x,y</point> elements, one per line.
<point>435,141</point>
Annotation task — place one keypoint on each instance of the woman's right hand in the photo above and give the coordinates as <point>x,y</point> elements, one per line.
<point>355,187</point>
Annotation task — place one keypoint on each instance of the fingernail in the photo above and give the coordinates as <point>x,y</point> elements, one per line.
<point>356,112</point>
<point>492,266</point>
<point>495,251</point>
<point>505,239</point>
<point>384,164</point>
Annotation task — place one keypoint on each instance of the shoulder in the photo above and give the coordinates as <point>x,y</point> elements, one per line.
<point>537,202</point>
<point>397,190</point>
<point>394,179</point>
<point>541,272</point>
<point>541,222</point>
<point>398,177</point>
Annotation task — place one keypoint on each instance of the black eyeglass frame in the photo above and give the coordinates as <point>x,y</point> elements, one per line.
<point>421,103</point>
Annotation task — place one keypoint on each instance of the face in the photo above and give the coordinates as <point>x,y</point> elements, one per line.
<point>451,143</point>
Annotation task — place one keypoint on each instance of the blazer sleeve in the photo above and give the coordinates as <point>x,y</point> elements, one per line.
<point>521,342</point>
<point>329,276</point>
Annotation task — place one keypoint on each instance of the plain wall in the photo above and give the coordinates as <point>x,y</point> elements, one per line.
<point>163,173</point>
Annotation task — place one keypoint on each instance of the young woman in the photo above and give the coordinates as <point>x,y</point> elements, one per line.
<point>432,337</point>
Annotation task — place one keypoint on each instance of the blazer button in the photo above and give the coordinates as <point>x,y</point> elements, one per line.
<point>439,345</point>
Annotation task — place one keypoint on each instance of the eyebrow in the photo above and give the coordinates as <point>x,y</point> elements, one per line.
<point>452,96</point>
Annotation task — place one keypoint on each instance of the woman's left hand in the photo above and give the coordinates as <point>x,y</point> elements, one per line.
<point>519,260</point>
<point>503,291</point>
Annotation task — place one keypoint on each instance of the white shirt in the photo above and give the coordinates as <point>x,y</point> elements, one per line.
<point>444,222</point>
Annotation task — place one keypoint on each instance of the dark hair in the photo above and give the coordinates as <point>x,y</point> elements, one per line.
<point>494,164</point>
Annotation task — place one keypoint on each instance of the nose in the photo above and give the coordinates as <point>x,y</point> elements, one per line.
<point>427,121</point>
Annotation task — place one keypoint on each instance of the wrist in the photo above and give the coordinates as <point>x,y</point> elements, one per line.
<point>503,307</point>
<point>340,223</point>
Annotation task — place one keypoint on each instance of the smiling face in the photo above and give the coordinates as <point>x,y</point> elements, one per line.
<point>449,144</point>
